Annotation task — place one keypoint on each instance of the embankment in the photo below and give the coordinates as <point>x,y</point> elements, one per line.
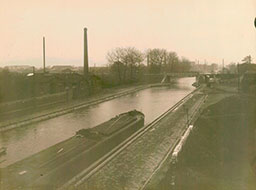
<point>61,110</point>
<point>220,152</point>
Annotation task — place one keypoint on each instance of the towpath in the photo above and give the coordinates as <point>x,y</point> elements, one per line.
<point>133,167</point>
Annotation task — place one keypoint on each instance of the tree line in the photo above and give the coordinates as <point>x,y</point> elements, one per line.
<point>127,64</point>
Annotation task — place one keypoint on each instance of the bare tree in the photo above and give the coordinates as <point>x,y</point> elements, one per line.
<point>185,65</point>
<point>115,55</point>
<point>247,60</point>
<point>172,62</point>
<point>133,59</point>
<point>157,59</point>
<point>124,59</point>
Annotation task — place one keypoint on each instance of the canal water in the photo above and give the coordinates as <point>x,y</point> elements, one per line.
<point>25,141</point>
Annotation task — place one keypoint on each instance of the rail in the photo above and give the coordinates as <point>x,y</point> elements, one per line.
<point>193,117</point>
<point>87,173</point>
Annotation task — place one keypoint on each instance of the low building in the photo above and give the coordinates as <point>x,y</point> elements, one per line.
<point>62,69</point>
<point>19,68</point>
<point>245,68</point>
<point>248,82</point>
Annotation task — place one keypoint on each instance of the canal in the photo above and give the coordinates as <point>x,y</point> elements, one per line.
<point>25,141</point>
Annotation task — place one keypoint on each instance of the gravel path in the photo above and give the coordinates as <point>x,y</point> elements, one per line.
<point>132,167</point>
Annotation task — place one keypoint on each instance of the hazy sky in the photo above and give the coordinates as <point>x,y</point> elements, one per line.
<point>197,29</point>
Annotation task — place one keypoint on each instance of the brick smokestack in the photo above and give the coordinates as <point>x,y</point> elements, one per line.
<point>86,67</point>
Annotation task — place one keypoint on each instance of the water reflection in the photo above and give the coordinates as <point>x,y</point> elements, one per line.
<point>25,141</point>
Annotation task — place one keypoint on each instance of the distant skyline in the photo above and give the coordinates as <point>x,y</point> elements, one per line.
<point>197,29</point>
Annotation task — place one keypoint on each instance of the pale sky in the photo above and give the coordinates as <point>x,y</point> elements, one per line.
<point>197,29</point>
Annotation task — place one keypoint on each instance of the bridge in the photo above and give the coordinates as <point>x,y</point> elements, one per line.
<point>169,76</point>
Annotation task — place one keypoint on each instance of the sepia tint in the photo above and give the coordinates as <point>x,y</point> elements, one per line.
<point>112,95</point>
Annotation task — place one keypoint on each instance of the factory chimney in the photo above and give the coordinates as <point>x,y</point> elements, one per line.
<point>86,67</point>
<point>44,53</point>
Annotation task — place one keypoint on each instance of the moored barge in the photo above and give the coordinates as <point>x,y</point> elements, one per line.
<point>52,167</point>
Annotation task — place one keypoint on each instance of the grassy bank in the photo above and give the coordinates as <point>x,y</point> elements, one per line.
<point>220,153</point>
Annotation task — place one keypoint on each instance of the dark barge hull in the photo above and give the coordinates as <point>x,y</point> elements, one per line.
<point>51,168</point>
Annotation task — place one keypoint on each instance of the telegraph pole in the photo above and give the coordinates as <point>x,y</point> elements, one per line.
<point>86,66</point>
<point>44,53</point>
<point>34,86</point>
<point>223,66</point>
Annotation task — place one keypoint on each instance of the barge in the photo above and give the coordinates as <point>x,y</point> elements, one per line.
<point>53,167</point>
<point>113,125</point>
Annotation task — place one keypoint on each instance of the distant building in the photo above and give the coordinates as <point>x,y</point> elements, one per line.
<point>248,82</point>
<point>248,77</point>
<point>59,82</point>
<point>62,69</point>
<point>246,68</point>
<point>19,68</point>
<point>204,68</point>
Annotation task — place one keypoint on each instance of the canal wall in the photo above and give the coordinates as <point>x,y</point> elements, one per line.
<point>219,153</point>
<point>22,107</point>
<point>151,78</point>
<point>4,126</point>
<point>18,108</point>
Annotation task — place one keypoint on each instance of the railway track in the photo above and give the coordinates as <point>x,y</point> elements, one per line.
<point>87,173</point>
<point>195,114</point>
